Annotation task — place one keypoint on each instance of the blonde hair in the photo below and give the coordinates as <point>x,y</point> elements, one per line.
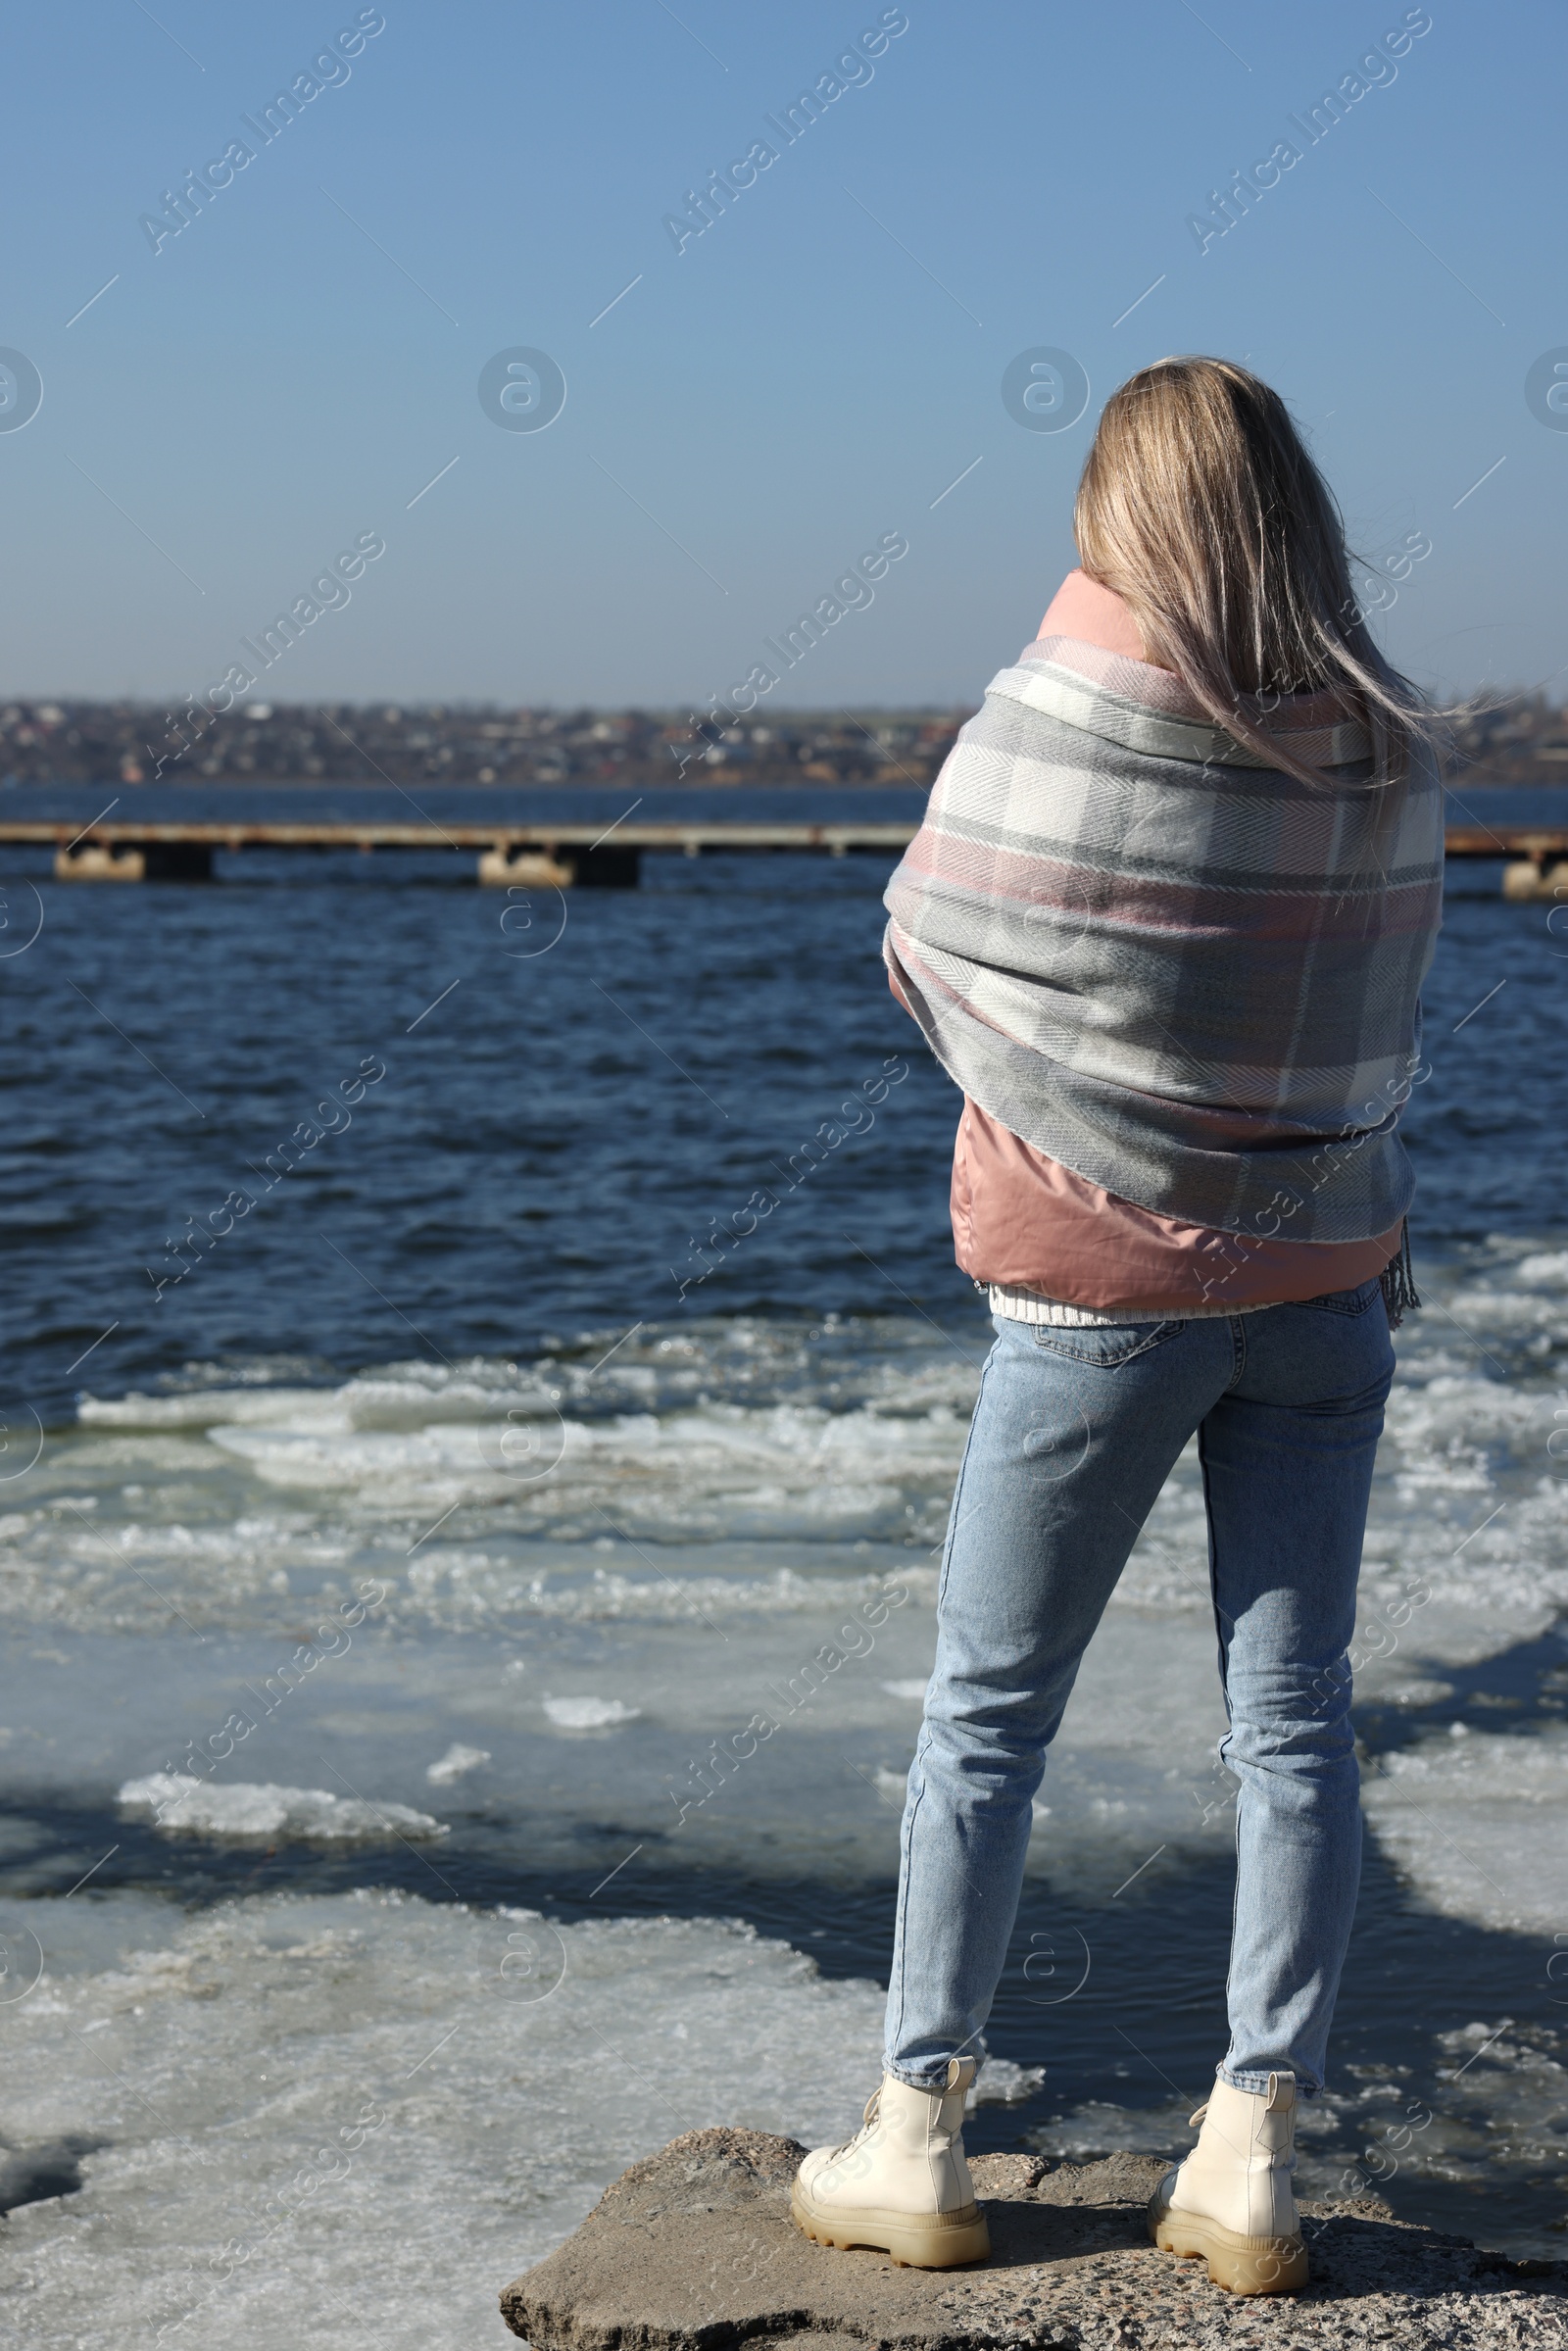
<point>1201,508</point>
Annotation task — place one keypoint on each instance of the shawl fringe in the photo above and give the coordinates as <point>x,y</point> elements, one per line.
<point>1397,1282</point>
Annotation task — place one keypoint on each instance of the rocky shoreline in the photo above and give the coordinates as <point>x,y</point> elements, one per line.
<point>694,2250</point>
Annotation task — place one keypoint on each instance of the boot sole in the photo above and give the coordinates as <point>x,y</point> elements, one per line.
<point>1241,2265</point>
<point>940,2242</point>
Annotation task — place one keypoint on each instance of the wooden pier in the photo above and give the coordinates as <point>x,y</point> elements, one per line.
<point>507,853</point>
<point>1534,859</point>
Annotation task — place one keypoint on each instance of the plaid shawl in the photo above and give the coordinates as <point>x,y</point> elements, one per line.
<point>1165,963</point>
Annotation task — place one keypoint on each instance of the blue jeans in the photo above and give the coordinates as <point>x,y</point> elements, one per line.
<point>1074,1433</point>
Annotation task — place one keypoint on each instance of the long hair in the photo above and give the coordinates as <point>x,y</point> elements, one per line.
<point>1201,508</point>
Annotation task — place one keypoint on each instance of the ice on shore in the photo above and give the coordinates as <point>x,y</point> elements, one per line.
<point>1474,1825</point>
<point>732,1466</point>
<point>246,1809</point>
<point>1003,2083</point>
<point>311,2117</point>
<point>589,1714</point>
<point>456,1760</point>
<point>766,1479</point>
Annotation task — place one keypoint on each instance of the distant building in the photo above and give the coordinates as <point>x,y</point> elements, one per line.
<point>261,743</point>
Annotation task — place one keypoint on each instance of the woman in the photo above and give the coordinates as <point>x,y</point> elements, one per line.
<point>1164,925</point>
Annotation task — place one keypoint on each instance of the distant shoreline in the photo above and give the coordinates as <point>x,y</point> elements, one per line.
<point>128,745</point>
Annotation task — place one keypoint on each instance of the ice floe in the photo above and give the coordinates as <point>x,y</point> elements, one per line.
<point>250,1809</point>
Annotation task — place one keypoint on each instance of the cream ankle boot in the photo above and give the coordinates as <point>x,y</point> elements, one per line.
<point>1232,2199</point>
<point>900,2185</point>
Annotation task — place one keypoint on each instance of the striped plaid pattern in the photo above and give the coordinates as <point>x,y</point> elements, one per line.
<point>1168,965</point>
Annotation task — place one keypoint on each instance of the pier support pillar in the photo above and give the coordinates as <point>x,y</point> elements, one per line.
<point>559,868</point>
<point>1528,879</point>
<point>541,868</point>
<point>99,862</point>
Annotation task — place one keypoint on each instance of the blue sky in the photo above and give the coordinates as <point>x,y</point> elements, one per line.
<point>809,373</point>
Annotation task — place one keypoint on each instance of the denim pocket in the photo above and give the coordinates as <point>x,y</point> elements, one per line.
<point>1108,1345</point>
<point>1344,1301</point>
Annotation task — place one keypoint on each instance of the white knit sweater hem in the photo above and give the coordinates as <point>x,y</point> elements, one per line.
<point>1028,1306</point>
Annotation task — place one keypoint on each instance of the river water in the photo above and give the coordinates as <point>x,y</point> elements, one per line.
<point>380,1572</point>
